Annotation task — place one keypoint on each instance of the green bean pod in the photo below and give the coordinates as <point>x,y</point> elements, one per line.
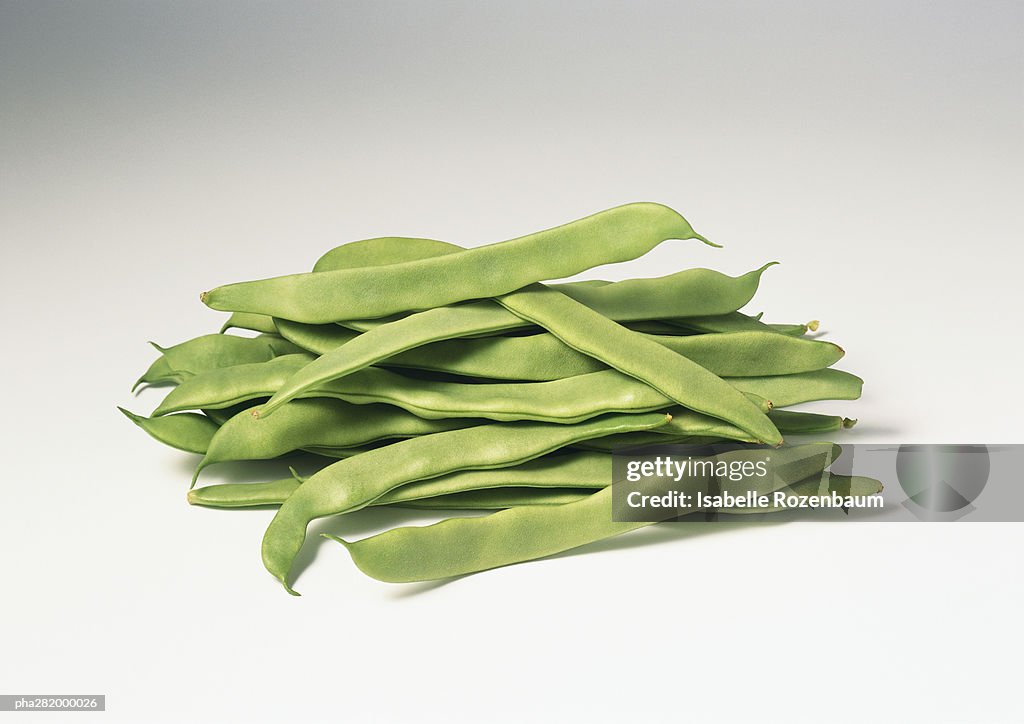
<point>382,251</point>
<point>356,482</point>
<point>572,470</point>
<point>568,400</point>
<point>212,351</point>
<point>188,431</point>
<point>808,423</point>
<point>542,357</point>
<point>390,339</point>
<point>739,322</point>
<point>786,390</point>
<point>159,372</point>
<point>252,322</point>
<point>671,374</point>
<point>460,546</point>
<point>615,235</point>
<point>316,423</point>
<point>500,498</point>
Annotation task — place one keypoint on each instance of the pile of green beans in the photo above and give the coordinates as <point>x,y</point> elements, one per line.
<point>411,372</point>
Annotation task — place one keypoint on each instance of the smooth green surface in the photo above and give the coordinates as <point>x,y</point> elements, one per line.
<point>572,470</point>
<point>566,400</point>
<point>615,235</point>
<point>671,374</point>
<point>467,545</point>
<point>253,322</point>
<point>541,357</point>
<point>808,423</point>
<point>188,431</point>
<point>788,390</point>
<point>444,378</point>
<point>313,423</point>
<point>500,498</point>
<point>211,351</point>
<point>694,289</point>
<point>355,482</point>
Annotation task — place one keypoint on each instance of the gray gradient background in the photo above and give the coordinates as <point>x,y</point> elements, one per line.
<point>152,150</point>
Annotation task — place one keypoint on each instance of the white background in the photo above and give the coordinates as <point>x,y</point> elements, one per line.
<point>150,151</point>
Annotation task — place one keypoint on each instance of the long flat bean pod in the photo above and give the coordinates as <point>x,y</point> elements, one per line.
<point>739,322</point>
<point>808,423</point>
<point>541,357</point>
<point>211,351</point>
<point>499,498</point>
<point>671,374</point>
<point>387,340</point>
<point>567,400</point>
<point>316,423</point>
<point>785,390</point>
<point>355,482</point>
<point>159,372</point>
<point>615,235</point>
<point>253,322</point>
<point>188,431</point>
<point>572,470</point>
<point>466,545</point>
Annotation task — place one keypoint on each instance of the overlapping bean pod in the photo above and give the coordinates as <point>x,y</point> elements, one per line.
<point>419,373</point>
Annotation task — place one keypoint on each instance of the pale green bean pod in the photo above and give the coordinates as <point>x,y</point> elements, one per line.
<point>356,482</point>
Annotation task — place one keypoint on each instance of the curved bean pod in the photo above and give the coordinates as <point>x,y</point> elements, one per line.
<point>381,251</point>
<point>387,340</point>
<point>808,423</point>
<point>228,386</point>
<point>243,495</point>
<point>158,373</point>
<point>316,338</point>
<point>542,357</point>
<point>640,303</point>
<point>688,292</point>
<point>189,431</point>
<point>466,545</point>
<point>315,423</point>
<point>211,351</point>
<point>568,400</point>
<point>671,374</point>
<point>253,322</point>
<point>739,322</point>
<point>500,498</point>
<point>786,390</point>
<point>573,470</point>
<point>615,235</point>
<point>354,483</point>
